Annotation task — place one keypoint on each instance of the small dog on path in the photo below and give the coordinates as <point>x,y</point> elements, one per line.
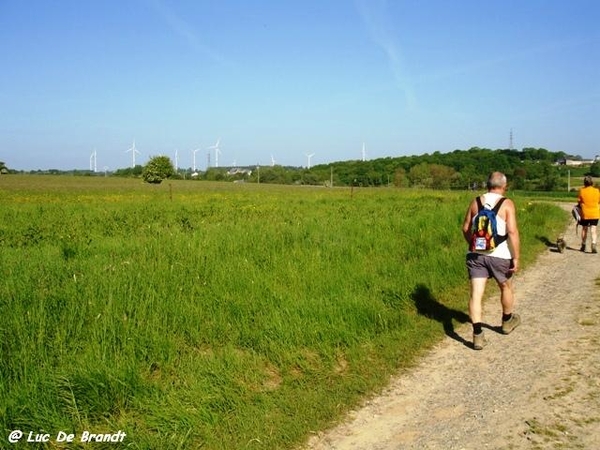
<point>561,244</point>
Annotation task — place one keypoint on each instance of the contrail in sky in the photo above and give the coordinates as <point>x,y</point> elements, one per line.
<point>373,14</point>
<point>501,60</point>
<point>186,31</point>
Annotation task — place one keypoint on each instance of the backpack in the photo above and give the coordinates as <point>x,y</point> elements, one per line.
<point>576,213</point>
<point>484,232</point>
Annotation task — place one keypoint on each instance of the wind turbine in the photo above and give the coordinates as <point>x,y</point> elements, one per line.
<point>133,152</point>
<point>195,151</point>
<point>93,161</point>
<point>272,161</point>
<point>309,155</point>
<point>176,160</point>
<point>364,153</point>
<point>217,151</point>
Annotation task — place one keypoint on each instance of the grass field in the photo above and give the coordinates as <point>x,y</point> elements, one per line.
<point>220,316</point>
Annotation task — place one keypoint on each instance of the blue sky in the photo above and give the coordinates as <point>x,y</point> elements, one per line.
<point>283,79</point>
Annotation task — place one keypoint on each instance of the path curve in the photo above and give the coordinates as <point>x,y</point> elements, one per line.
<point>536,388</point>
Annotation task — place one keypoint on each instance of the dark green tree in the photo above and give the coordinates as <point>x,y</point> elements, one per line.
<point>595,169</point>
<point>420,175</point>
<point>400,178</point>
<point>549,179</point>
<point>216,174</point>
<point>158,169</point>
<point>130,171</point>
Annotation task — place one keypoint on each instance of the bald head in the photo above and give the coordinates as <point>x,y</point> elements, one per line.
<point>496,180</point>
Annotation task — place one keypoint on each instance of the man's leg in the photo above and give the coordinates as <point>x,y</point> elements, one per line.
<point>507,296</point>
<point>510,320</point>
<point>476,311</point>
<point>584,230</point>
<point>593,232</point>
<point>475,308</point>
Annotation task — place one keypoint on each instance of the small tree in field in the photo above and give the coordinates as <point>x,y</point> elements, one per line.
<point>158,169</point>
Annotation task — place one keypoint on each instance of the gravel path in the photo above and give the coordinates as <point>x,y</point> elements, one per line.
<point>537,388</point>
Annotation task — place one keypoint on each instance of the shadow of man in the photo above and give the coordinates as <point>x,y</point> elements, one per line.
<point>429,307</point>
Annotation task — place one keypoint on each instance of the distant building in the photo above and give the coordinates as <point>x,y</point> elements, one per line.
<point>238,171</point>
<point>577,162</point>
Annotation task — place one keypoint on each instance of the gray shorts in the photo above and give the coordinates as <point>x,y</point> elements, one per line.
<point>484,266</point>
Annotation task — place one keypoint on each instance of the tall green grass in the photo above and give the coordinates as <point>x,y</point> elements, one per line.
<point>221,316</point>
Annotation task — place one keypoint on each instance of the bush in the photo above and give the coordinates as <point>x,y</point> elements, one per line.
<point>158,169</point>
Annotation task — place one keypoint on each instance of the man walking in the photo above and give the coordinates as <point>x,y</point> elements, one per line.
<point>499,262</point>
<point>589,199</point>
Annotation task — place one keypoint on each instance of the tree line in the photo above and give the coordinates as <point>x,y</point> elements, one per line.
<point>527,169</point>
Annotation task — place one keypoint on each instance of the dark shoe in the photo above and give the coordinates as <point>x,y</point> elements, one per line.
<point>479,341</point>
<point>582,247</point>
<point>594,248</point>
<point>511,324</point>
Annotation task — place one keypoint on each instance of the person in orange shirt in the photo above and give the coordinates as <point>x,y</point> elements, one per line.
<point>589,201</point>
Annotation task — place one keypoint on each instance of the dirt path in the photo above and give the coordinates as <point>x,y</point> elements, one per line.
<point>537,388</point>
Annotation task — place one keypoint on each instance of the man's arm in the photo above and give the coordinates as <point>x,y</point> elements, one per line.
<point>512,230</point>
<point>467,222</point>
